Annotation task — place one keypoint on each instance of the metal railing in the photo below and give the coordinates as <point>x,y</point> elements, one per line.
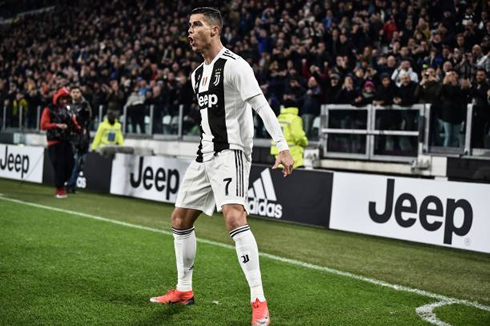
<point>21,119</point>
<point>369,133</point>
<point>396,133</point>
<point>170,126</point>
<point>163,126</point>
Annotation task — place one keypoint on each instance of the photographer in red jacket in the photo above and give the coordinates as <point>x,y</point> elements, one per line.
<point>60,124</point>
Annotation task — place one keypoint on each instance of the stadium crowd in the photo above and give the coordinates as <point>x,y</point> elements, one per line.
<point>359,52</point>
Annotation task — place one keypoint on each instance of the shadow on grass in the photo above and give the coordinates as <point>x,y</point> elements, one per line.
<point>239,323</point>
<point>163,316</point>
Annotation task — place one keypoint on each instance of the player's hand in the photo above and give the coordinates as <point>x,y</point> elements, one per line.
<point>62,125</point>
<point>286,160</point>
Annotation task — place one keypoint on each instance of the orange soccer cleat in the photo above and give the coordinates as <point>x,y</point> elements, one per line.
<point>175,297</point>
<point>260,313</point>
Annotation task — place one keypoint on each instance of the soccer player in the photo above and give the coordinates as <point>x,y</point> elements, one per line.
<point>226,90</point>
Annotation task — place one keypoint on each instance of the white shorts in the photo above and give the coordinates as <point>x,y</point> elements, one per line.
<point>217,182</point>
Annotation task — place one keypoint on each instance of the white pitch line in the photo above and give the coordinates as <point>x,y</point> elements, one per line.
<point>426,312</point>
<point>397,287</point>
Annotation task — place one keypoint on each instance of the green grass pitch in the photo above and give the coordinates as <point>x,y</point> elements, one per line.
<point>60,266</point>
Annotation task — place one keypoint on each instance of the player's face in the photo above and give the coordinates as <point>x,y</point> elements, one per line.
<point>199,32</point>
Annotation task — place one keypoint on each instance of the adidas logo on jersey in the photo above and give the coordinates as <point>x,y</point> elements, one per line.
<point>208,100</point>
<point>262,197</point>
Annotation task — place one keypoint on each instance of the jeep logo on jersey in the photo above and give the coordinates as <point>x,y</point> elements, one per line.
<point>262,197</point>
<point>208,100</point>
<point>431,208</point>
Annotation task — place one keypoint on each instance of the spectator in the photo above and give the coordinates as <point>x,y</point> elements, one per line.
<point>404,68</point>
<point>98,98</point>
<point>479,94</point>
<point>390,65</point>
<point>334,89</point>
<point>34,103</point>
<point>386,92</point>
<point>108,133</point>
<point>433,60</point>
<point>452,109</point>
<point>405,95</point>
<point>294,87</point>
<point>366,96</point>
<point>386,119</point>
<point>311,105</point>
<point>389,29</point>
<point>115,97</point>
<point>159,102</point>
<point>427,92</point>
<point>359,79</point>
<point>171,89</point>
<point>428,87</point>
<point>292,127</point>
<point>19,107</point>
<point>466,67</point>
<point>59,124</point>
<point>185,94</point>
<point>347,93</point>
<point>81,109</point>
<point>136,109</point>
<point>483,61</point>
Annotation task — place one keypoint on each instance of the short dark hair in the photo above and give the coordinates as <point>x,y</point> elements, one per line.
<point>211,14</point>
<point>482,70</point>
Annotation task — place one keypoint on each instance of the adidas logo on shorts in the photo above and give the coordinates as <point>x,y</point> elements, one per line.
<point>262,197</point>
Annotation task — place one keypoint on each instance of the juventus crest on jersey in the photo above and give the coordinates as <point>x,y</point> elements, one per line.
<point>222,88</point>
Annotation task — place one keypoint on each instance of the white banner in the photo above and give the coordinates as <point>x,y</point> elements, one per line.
<point>147,177</point>
<point>451,214</point>
<point>21,163</point>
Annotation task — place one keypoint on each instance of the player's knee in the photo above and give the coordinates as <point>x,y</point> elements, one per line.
<point>180,220</point>
<point>235,216</point>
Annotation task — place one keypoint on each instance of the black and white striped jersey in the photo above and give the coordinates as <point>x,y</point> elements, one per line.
<point>222,88</point>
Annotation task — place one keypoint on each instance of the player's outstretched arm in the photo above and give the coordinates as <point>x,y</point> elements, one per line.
<point>263,109</point>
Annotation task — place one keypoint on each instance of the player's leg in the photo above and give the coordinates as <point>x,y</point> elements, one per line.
<point>185,245</point>
<point>246,248</point>
<point>185,252</point>
<point>229,179</point>
<point>248,258</point>
<point>195,196</point>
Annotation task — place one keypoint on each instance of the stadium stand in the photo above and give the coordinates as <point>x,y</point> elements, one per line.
<point>132,57</point>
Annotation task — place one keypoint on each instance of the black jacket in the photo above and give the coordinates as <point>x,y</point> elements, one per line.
<point>60,115</point>
<point>333,94</point>
<point>428,93</point>
<point>453,104</point>
<point>83,114</point>
<point>407,94</point>
<point>481,108</point>
<point>386,94</point>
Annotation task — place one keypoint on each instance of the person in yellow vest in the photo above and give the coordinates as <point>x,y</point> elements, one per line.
<point>108,133</point>
<point>292,127</point>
